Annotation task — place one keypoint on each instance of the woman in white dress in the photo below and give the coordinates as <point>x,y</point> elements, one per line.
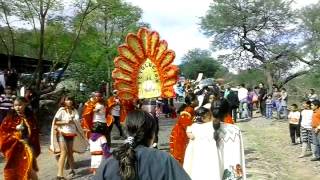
<point>215,150</point>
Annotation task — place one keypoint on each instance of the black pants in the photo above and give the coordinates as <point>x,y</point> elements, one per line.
<point>233,112</point>
<point>294,132</point>
<point>117,122</point>
<point>263,107</point>
<point>156,138</point>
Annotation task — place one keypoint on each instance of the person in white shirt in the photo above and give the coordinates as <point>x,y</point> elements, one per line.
<point>306,128</point>
<point>243,99</point>
<point>215,149</point>
<point>312,95</point>
<point>67,135</point>
<point>294,127</point>
<point>99,148</point>
<point>99,115</point>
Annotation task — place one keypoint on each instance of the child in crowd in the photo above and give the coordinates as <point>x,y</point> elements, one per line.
<point>98,146</point>
<point>294,127</point>
<point>315,106</point>
<point>283,103</point>
<point>306,129</point>
<point>269,107</point>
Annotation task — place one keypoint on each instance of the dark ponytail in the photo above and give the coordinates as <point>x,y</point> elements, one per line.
<point>219,109</point>
<point>140,127</point>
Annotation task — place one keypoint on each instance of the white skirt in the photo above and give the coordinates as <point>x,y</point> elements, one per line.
<point>96,160</point>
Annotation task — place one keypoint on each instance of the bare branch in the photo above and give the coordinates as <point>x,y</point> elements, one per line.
<point>289,78</point>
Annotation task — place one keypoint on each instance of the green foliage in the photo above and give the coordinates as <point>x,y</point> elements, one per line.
<point>104,29</point>
<point>311,32</point>
<point>91,76</point>
<point>199,61</point>
<point>250,77</point>
<point>259,34</point>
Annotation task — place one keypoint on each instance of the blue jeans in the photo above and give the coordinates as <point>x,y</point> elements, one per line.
<point>243,108</point>
<point>315,146</point>
<point>269,111</point>
<point>284,111</point>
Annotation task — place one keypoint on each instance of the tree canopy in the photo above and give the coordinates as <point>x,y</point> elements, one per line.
<point>260,34</point>
<point>199,61</point>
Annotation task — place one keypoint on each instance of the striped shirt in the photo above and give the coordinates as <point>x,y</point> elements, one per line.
<point>6,102</point>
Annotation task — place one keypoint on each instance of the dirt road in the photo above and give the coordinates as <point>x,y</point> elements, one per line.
<point>270,155</point>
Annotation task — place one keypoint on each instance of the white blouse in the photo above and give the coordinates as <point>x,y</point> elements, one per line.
<point>63,116</point>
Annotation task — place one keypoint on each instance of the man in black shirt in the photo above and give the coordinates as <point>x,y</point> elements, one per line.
<point>262,99</point>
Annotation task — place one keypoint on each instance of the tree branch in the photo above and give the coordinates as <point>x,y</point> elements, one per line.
<point>289,78</point>
<point>5,45</point>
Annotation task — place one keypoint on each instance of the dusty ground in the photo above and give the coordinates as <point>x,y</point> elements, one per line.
<point>269,153</point>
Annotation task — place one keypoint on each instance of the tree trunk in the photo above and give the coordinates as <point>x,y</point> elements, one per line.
<point>9,61</point>
<point>269,77</point>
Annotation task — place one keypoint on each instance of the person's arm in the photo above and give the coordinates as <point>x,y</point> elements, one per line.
<point>284,96</point>
<point>174,170</point>
<point>290,115</point>
<point>189,133</point>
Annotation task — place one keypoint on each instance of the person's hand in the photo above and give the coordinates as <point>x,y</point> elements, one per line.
<point>17,135</point>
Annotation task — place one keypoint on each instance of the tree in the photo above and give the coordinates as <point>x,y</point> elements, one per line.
<point>7,35</point>
<point>111,22</point>
<point>259,33</point>
<point>199,61</point>
<point>310,28</point>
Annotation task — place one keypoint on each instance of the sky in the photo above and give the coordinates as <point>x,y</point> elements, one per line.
<point>177,21</point>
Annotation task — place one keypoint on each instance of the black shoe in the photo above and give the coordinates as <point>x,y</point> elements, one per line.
<point>60,178</point>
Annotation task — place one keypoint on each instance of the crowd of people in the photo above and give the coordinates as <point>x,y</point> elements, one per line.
<point>204,132</point>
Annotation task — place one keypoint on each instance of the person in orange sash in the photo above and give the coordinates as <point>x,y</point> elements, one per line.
<point>19,142</point>
<point>179,138</point>
<point>87,115</point>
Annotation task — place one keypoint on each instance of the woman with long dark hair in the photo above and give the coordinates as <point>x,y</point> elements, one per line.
<point>135,159</point>
<point>217,143</point>
<point>67,135</point>
<point>19,142</point>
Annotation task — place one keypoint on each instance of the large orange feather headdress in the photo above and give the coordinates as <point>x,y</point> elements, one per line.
<point>144,67</point>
